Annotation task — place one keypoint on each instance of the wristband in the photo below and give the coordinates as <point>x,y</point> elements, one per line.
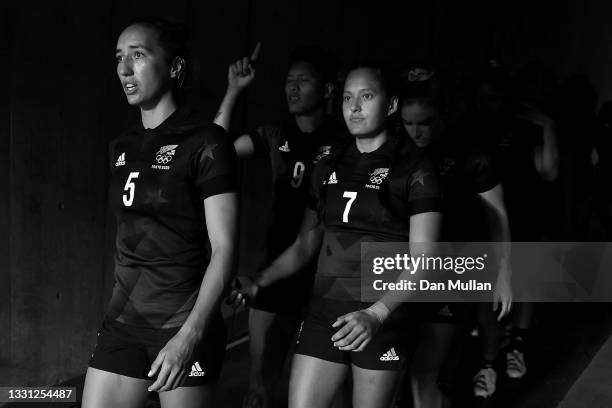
<point>380,311</point>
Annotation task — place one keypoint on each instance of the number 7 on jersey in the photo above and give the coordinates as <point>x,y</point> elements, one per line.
<point>351,195</point>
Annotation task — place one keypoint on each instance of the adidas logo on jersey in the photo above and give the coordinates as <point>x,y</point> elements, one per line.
<point>379,175</point>
<point>445,312</point>
<point>390,355</point>
<point>120,160</point>
<point>165,154</point>
<point>332,179</point>
<point>196,370</point>
<point>285,148</point>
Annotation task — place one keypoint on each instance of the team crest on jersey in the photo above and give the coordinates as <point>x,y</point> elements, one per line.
<point>379,175</point>
<point>321,153</point>
<point>120,160</point>
<point>447,166</point>
<point>165,154</point>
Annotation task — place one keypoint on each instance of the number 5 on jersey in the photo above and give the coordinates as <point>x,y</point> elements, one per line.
<point>351,195</point>
<point>130,188</point>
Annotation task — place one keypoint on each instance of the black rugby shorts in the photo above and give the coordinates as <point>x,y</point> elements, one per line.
<point>130,350</point>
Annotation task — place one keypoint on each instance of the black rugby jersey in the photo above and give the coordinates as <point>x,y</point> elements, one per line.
<point>464,172</point>
<point>159,179</point>
<point>512,144</point>
<point>367,197</point>
<point>293,155</point>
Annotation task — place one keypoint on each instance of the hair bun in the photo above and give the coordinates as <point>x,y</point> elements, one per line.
<point>419,75</point>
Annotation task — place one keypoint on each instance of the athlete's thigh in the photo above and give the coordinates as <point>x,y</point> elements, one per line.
<point>374,388</point>
<point>201,396</point>
<point>270,334</point>
<point>314,382</point>
<point>105,389</point>
<point>435,341</point>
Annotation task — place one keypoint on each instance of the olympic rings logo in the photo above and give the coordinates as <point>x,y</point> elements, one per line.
<point>163,158</point>
<point>378,179</point>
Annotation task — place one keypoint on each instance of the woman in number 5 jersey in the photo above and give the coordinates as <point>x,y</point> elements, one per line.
<point>174,196</point>
<point>375,187</point>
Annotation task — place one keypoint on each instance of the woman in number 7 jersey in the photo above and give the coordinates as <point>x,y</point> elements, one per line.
<point>174,196</point>
<point>375,187</point>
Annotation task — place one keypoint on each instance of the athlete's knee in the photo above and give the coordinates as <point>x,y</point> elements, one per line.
<point>424,383</point>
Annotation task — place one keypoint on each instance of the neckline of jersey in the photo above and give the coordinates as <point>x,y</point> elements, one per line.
<point>178,116</point>
<point>384,149</point>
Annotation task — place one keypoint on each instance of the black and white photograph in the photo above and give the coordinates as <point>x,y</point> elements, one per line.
<point>306,204</point>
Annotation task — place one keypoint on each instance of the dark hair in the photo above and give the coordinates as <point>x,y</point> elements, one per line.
<point>495,76</point>
<point>386,74</point>
<point>535,84</point>
<point>172,36</point>
<point>324,63</point>
<point>422,86</point>
<point>578,93</point>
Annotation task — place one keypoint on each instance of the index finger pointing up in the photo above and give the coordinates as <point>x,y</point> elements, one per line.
<point>255,53</point>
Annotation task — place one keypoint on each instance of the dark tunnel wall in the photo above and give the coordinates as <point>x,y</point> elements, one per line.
<point>62,105</point>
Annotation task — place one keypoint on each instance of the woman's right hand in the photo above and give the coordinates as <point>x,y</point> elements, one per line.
<point>355,330</point>
<point>244,291</point>
<point>241,73</point>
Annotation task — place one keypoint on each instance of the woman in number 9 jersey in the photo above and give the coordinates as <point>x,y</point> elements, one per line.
<point>293,148</point>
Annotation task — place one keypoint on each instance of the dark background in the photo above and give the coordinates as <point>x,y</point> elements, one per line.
<point>62,104</point>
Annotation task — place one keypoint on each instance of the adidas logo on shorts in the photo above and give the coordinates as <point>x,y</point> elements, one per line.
<point>196,370</point>
<point>390,355</point>
<point>445,311</point>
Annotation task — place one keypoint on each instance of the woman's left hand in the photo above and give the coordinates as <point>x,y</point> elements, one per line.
<point>171,363</point>
<point>357,330</point>
<point>502,295</point>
